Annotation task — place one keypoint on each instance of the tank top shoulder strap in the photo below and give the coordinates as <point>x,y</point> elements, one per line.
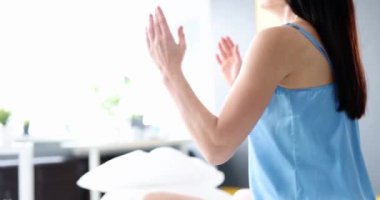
<point>312,39</point>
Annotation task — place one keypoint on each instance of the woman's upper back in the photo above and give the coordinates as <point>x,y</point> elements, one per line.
<point>303,147</point>
<point>307,66</point>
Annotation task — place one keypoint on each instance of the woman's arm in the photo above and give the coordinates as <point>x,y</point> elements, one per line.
<point>262,70</point>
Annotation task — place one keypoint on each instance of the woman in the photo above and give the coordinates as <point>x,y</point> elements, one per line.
<point>298,95</point>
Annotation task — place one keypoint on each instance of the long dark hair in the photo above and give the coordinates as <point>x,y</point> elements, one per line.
<point>334,20</point>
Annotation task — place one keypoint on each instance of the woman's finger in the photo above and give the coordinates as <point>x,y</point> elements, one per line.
<point>147,37</point>
<point>156,24</point>
<point>222,51</point>
<point>229,42</point>
<point>160,17</point>
<point>151,31</point>
<point>226,48</point>
<point>218,59</point>
<point>237,51</point>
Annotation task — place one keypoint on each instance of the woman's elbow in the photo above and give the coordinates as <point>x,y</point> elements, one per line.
<point>217,155</point>
<point>216,161</point>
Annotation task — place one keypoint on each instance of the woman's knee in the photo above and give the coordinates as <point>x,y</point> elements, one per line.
<point>243,194</point>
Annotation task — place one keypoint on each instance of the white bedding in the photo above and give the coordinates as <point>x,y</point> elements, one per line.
<point>138,194</point>
<point>131,176</point>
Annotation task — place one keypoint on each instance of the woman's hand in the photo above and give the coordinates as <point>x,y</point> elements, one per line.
<point>166,53</point>
<point>229,59</point>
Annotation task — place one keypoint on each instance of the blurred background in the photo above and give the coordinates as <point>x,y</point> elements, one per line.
<point>76,78</point>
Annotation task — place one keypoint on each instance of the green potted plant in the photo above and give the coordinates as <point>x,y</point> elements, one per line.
<point>26,127</point>
<point>4,116</point>
<point>5,138</point>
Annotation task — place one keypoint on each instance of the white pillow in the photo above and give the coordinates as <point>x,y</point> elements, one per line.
<point>163,166</point>
<point>139,194</point>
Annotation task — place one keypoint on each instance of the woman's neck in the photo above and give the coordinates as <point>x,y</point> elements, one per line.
<point>284,14</point>
<point>288,15</point>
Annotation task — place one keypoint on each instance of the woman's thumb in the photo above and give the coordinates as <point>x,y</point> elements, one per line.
<point>237,52</point>
<point>181,37</point>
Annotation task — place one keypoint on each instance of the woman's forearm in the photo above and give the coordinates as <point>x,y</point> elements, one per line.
<point>201,123</point>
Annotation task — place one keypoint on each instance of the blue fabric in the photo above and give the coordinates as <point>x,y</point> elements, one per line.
<point>302,148</point>
<point>312,39</point>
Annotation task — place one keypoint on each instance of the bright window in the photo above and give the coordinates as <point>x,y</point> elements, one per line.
<point>62,61</point>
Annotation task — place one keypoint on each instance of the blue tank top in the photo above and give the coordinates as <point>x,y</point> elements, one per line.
<point>302,148</point>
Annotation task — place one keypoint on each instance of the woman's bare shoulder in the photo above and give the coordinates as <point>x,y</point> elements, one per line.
<point>279,37</point>
<point>271,47</point>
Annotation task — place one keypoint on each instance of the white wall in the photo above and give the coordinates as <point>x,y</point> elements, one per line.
<point>368,16</point>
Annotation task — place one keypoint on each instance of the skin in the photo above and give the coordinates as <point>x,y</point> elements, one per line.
<point>243,194</point>
<point>276,7</point>
<point>229,59</point>
<point>278,56</point>
<point>168,196</point>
